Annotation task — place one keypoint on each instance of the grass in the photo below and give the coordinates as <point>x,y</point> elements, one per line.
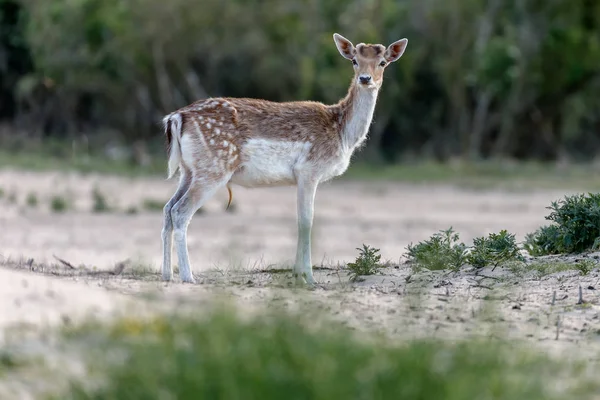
<point>41,160</point>
<point>153,205</point>
<point>276,356</point>
<point>486,174</point>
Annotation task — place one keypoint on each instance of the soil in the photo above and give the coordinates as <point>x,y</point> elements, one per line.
<point>56,267</point>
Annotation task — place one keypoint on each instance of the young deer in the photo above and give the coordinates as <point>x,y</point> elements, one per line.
<point>258,143</point>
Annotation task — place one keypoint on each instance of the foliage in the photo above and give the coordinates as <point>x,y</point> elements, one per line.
<point>543,241</point>
<point>32,200</point>
<point>495,249</point>
<point>585,266</point>
<point>576,227</point>
<point>367,262</point>
<point>440,251</point>
<point>100,204</point>
<point>153,204</point>
<point>110,69</point>
<point>58,204</point>
<point>223,357</point>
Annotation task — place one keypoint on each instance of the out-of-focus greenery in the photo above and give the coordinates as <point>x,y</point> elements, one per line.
<point>479,79</point>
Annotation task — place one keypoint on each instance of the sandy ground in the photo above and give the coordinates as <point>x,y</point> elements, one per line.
<point>261,230</point>
<point>114,257</point>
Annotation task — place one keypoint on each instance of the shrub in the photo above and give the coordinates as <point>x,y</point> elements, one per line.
<point>58,204</point>
<point>495,249</point>
<point>32,200</point>
<point>543,241</point>
<point>100,204</point>
<point>367,263</point>
<point>576,227</point>
<point>440,251</point>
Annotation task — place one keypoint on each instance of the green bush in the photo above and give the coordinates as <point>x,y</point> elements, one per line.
<point>495,249</point>
<point>99,202</point>
<point>440,251</point>
<point>367,263</point>
<point>276,357</point>
<point>59,204</point>
<point>576,227</point>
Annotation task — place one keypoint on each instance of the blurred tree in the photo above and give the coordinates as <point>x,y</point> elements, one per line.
<point>480,78</point>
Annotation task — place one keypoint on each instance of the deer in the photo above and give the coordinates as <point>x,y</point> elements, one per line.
<point>253,143</point>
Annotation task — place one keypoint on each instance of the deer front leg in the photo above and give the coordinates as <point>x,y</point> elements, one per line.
<point>305,203</point>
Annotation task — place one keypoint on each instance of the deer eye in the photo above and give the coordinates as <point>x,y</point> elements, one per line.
<point>354,62</point>
<point>382,64</point>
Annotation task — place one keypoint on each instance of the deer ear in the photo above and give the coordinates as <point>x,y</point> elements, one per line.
<point>344,46</point>
<point>395,50</point>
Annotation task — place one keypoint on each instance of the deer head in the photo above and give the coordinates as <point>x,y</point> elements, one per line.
<point>369,60</point>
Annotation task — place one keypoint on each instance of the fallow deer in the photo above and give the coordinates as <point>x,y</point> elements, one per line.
<point>216,142</point>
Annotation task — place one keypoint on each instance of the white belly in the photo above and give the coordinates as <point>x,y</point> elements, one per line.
<point>268,162</point>
<point>336,167</point>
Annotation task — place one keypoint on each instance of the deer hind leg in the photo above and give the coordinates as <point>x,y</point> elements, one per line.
<point>199,191</point>
<point>167,231</point>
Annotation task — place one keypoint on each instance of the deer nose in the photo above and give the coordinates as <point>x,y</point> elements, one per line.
<point>364,79</point>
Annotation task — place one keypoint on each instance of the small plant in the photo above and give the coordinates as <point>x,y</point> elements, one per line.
<point>132,210</point>
<point>367,263</point>
<point>440,251</point>
<point>153,205</point>
<point>495,249</point>
<point>58,204</point>
<point>585,266</point>
<point>543,241</point>
<point>100,204</point>
<point>576,227</point>
<point>32,200</point>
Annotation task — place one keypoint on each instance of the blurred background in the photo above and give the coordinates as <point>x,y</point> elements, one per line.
<point>488,93</point>
<point>481,79</point>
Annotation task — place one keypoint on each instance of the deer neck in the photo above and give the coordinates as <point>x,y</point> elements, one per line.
<point>355,115</point>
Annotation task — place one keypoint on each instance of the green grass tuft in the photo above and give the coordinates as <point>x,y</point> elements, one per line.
<point>276,357</point>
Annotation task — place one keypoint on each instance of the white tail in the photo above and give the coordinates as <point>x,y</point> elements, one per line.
<point>252,143</point>
<point>172,126</point>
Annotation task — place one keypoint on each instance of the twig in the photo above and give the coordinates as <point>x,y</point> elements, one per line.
<point>482,286</point>
<point>557,327</point>
<point>580,296</point>
<point>553,298</point>
<point>489,277</point>
<point>119,267</point>
<point>66,263</point>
